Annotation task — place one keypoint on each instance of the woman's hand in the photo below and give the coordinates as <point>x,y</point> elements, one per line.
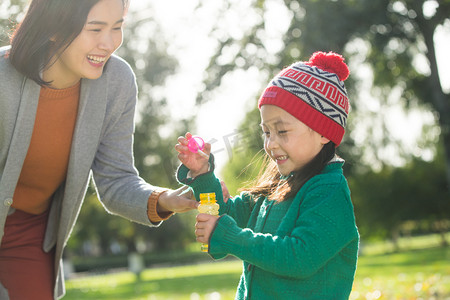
<point>196,163</point>
<point>204,227</point>
<point>178,201</point>
<point>225,192</point>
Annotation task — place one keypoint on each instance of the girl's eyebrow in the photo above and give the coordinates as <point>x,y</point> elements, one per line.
<point>275,123</point>
<point>103,23</point>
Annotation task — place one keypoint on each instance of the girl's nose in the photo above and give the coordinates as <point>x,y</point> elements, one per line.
<point>272,142</point>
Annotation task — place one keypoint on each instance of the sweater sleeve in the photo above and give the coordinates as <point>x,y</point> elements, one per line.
<point>120,188</point>
<point>323,228</point>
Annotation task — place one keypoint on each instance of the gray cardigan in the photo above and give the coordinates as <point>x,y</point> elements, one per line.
<point>102,146</point>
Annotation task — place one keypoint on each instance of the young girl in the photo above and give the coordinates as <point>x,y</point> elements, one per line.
<point>295,229</point>
<point>67,108</point>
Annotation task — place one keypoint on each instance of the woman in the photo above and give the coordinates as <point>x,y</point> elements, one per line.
<point>67,109</point>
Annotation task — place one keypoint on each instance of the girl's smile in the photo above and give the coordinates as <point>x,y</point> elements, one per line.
<point>281,159</point>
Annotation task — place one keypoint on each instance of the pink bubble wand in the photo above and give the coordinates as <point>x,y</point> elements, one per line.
<point>196,145</point>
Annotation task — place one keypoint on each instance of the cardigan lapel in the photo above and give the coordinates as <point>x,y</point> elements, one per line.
<point>22,135</point>
<point>91,114</point>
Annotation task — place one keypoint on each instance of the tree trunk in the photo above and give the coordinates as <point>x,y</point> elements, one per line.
<point>440,100</point>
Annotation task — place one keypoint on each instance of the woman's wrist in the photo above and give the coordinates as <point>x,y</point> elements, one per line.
<point>154,210</point>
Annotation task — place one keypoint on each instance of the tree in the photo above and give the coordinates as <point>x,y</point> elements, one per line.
<point>11,11</point>
<point>400,32</point>
<point>386,200</point>
<point>394,35</point>
<point>388,36</point>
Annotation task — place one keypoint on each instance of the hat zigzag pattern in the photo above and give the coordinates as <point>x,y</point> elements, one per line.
<point>320,103</point>
<point>317,102</point>
<point>329,89</point>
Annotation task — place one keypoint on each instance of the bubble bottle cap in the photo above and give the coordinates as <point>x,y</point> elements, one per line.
<point>196,145</point>
<point>207,197</point>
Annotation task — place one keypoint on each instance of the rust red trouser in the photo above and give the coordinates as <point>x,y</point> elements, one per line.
<point>26,271</point>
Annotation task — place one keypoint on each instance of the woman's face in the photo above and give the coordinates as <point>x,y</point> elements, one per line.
<point>86,56</point>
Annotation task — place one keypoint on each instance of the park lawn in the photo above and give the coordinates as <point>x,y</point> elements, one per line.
<point>215,280</point>
<point>422,273</point>
<point>415,274</point>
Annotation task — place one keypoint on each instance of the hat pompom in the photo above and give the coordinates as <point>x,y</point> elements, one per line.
<point>330,62</point>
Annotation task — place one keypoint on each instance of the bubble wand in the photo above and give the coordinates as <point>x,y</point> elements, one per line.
<point>196,145</point>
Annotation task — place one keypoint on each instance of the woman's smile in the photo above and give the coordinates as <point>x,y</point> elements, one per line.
<point>96,61</point>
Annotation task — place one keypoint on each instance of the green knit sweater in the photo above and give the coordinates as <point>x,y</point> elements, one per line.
<point>301,248</point>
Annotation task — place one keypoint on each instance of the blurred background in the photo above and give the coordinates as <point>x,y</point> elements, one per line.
<point>201,66</point>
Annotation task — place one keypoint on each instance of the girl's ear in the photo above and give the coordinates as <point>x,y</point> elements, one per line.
<point>324,140</point>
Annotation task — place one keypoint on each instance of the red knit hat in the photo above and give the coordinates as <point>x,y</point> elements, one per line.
<point>314,93</point>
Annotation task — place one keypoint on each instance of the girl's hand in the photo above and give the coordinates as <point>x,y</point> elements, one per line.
<point>195,162</point>
<point>204,227</point>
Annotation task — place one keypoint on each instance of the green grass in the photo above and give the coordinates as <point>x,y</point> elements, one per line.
<point>415,274</point>
<point>423,272</point>
<point>200,281</point>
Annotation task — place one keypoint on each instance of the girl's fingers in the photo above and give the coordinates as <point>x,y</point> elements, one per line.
<point>182,148</point>
<point>182,140</point>
<point>200,237</point>
<point>207,148</point>
<point>202,218</point>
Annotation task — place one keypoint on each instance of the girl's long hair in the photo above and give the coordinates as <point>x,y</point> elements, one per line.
<point>47,29</point>
<point>270,183</point>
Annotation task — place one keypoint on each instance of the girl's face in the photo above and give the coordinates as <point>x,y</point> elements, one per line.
<point>86,56</point>
<point>288,141</point>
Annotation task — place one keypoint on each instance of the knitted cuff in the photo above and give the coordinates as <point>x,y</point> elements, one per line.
<point>205,183</point>
<point>224,237</point>
<point>152,211</point>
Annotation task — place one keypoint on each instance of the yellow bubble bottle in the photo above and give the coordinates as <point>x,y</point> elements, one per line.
<point>208,205</point>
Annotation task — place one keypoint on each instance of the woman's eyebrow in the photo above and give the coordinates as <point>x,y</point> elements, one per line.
<point>103,23</point>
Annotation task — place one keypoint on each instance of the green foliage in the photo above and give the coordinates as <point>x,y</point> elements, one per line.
<point>237,177</point>
<point>388,199</point>
<point>156,133</point>
<point>11,10</point>
<point>395,35</point>
<point>150,259</point>
<point>247,157</point>
<point>100,229</point>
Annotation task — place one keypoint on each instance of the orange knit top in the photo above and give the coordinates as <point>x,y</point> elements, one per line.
<point>46,163</point>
